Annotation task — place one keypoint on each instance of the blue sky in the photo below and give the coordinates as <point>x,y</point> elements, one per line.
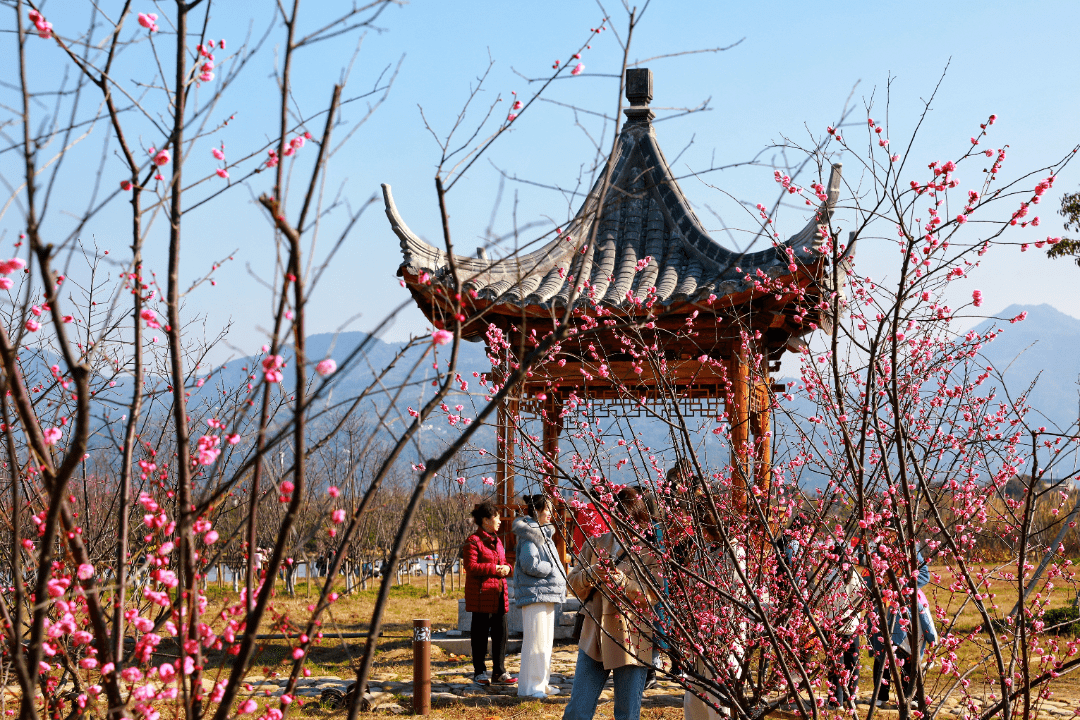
<point>796,66</point>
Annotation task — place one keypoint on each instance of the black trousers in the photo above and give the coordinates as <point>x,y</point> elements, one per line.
<point>846,688</point>
<point>907,674</point>
<point>485,625</point>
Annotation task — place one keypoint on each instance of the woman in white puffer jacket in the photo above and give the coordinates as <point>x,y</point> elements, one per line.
<point>539,587</point>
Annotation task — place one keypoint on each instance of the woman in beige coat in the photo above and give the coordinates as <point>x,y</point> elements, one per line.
<point>621,643</point>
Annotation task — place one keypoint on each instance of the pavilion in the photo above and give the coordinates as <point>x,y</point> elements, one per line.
<point>646,256</point>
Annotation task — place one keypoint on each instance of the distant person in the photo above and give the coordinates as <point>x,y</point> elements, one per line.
<point>485,595</point>
<point>611,642</point>
<point>539,586</point>
<point>895,630</point>
<point>847,600</point>
<point>924,607</point>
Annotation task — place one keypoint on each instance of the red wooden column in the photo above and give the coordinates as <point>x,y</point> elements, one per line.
<point>760,416</point>
<point>552,422</point>
<point>739,417</point>
<point>506,430</point>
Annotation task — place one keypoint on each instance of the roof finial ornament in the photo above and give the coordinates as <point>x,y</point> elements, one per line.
<point>639,93</point>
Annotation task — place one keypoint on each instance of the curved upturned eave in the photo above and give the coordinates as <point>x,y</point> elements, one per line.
<point>420,256</point>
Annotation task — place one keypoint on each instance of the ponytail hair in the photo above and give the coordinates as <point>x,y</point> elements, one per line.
<point>536,504</point>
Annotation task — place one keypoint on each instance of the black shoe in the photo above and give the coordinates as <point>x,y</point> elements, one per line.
<point>650,679</point>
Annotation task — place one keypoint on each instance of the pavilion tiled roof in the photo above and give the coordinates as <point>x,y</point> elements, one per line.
<point>644,214</point>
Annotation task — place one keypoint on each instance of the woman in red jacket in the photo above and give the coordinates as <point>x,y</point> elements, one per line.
<point>485,595</point>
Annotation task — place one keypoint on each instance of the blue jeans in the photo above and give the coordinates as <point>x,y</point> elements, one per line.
<point>589,679</point>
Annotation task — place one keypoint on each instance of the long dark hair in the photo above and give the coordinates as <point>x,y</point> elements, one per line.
<point>536,504</point>
<point>633,505</point>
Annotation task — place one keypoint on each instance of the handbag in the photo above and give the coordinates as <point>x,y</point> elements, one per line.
<point>579,619</point>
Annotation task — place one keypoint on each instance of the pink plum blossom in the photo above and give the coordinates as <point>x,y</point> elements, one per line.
<point>151,319</point>
<point>162,158</point>
<point>44,27</point>
<point>208,449</point>
<point>86,571</point>
<point>578,69</point>
<point>13,265</point>
<point>326,367</point>
<point>272,368</point>
<point>338,516</point>
<point>442,337</point>
<point>52,435</point>
<point>218,154</point>
<point>148,21</point>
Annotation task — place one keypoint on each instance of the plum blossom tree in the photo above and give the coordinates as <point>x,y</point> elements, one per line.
<point>899,448</point>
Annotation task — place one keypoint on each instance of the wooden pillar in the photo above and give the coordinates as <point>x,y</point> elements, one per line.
<point>552,429</point>
<point>506,428</point>
<point>760,418</point>
<point>739,417</point>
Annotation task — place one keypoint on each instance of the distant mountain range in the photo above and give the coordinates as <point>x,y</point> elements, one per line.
<point>1045,346</point>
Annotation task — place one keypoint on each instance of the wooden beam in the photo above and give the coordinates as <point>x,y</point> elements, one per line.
<point>679,372</point>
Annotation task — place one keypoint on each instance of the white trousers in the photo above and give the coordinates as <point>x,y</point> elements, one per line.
<point>538,635</point>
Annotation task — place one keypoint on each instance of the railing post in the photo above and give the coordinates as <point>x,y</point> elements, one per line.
<point>421,649</point>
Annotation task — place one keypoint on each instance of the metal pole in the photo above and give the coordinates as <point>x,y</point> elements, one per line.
<point>421,669</point>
